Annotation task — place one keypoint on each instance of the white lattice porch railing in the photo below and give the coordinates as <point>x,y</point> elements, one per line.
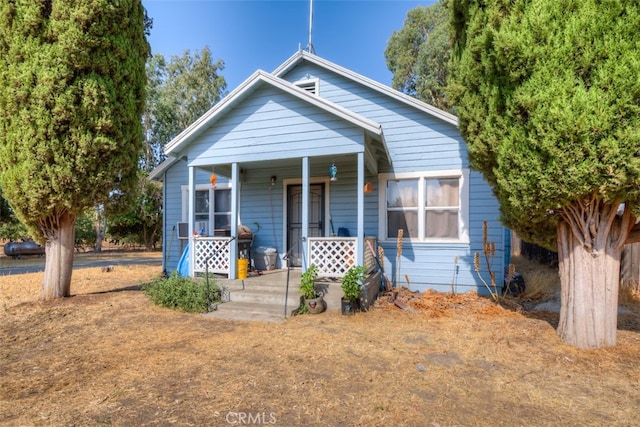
<point>216,251</point>
<point>332,255</point>
<point>335,255</point>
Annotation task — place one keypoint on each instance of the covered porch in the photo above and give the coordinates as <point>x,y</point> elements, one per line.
<point>295,214</point>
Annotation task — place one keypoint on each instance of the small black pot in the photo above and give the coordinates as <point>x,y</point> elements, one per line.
<point>349,308</point>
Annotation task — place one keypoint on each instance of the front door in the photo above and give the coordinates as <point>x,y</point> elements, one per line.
<point>294,219</point>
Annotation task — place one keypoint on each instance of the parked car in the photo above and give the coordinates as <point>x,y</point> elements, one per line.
<point>16,249</point>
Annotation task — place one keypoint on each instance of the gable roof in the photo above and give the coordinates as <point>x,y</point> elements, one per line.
<point>302,55</point>
<point>247,87</point>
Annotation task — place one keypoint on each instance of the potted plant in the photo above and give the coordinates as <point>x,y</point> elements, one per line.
<point>313,302</point>
<point>351,285</point>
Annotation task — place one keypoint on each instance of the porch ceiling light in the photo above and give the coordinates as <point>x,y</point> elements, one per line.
<point>333,172</point>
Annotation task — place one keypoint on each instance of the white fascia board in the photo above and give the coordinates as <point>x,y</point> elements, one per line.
<point>176,144</point>
<point>386,148</point>
<point>402,97</point>
<point>330,107</point>
<point>158,171</point>
<point>196,127</point>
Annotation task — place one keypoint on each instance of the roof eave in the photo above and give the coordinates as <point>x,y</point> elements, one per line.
<point>416,103</point>
<point>176,145</point>
<point>197,126</point>
<point>157,173</point>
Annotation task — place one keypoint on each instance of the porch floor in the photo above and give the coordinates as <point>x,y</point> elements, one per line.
<point>261,297</point>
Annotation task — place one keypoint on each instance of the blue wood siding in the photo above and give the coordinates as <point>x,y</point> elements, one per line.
<point>176,177</point>
<point>269,132</point>
<point>418,142</point>
<point>273,125</point>
<point>264,204</point>
<point>415,140</point>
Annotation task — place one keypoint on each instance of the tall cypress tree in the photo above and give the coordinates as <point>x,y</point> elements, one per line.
<point>548,96</point>
<point>72,90</point>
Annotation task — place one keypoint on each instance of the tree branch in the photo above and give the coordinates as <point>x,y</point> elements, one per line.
<point>575,217</point>
<point>626,224</point>
<point>608,216</point>
<point>593,216</point>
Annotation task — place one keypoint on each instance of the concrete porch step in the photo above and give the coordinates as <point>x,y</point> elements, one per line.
<point>237,285</point>
<point>262,297</point>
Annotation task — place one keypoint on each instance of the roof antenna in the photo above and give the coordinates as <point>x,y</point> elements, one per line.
<point>310,45</point>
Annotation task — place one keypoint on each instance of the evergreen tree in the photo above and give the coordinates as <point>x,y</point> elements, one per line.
<point>72,81</point>
<point>139,222</point>
<point>548,97</point>
<point>179,92</point>
<point>418,55</point>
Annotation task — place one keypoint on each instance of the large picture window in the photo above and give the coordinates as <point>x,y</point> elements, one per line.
<point>425,206</point>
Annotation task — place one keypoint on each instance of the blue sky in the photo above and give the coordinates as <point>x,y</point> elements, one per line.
<point>250,35</point>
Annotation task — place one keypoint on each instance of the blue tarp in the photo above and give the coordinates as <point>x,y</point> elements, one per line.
<point>183,264</point>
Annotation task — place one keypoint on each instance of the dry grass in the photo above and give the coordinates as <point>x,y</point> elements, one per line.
<point>542,282</point>
<point>629,295</point>
<point>108,357</point>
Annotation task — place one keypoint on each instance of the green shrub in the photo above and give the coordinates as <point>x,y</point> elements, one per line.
<point>308,282</point>
<point>352,283</point>
<point>181,293</point>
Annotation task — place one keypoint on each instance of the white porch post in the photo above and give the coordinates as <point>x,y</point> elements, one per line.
<point>305,212</point>
<point>233,248</point>
<point>360,192</point>
<point>192,205</point>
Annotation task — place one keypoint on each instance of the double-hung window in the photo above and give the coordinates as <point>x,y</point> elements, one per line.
<point>428,206</point>
<point>212,210</point>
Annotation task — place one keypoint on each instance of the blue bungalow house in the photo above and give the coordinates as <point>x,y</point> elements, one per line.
<point>327,167</point>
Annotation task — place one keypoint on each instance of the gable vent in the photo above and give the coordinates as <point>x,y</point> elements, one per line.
<point>311,86</point>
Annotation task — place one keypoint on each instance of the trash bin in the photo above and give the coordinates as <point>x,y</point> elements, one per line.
<point>243,265</point>
<point>264,258</point>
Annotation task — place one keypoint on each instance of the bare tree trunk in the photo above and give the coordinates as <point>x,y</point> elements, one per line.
<point>99,228</point>
<point>59,249</point>
<point>591,236</point>
<point>589,309</point>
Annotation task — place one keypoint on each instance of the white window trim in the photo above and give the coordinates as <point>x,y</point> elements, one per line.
<point>201,187</point>
<point>463,203</point>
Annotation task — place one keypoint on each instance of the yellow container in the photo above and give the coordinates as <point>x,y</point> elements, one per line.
<point>243,267</point>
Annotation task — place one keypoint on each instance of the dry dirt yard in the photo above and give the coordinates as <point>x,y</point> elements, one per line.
<point>107,356</point>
